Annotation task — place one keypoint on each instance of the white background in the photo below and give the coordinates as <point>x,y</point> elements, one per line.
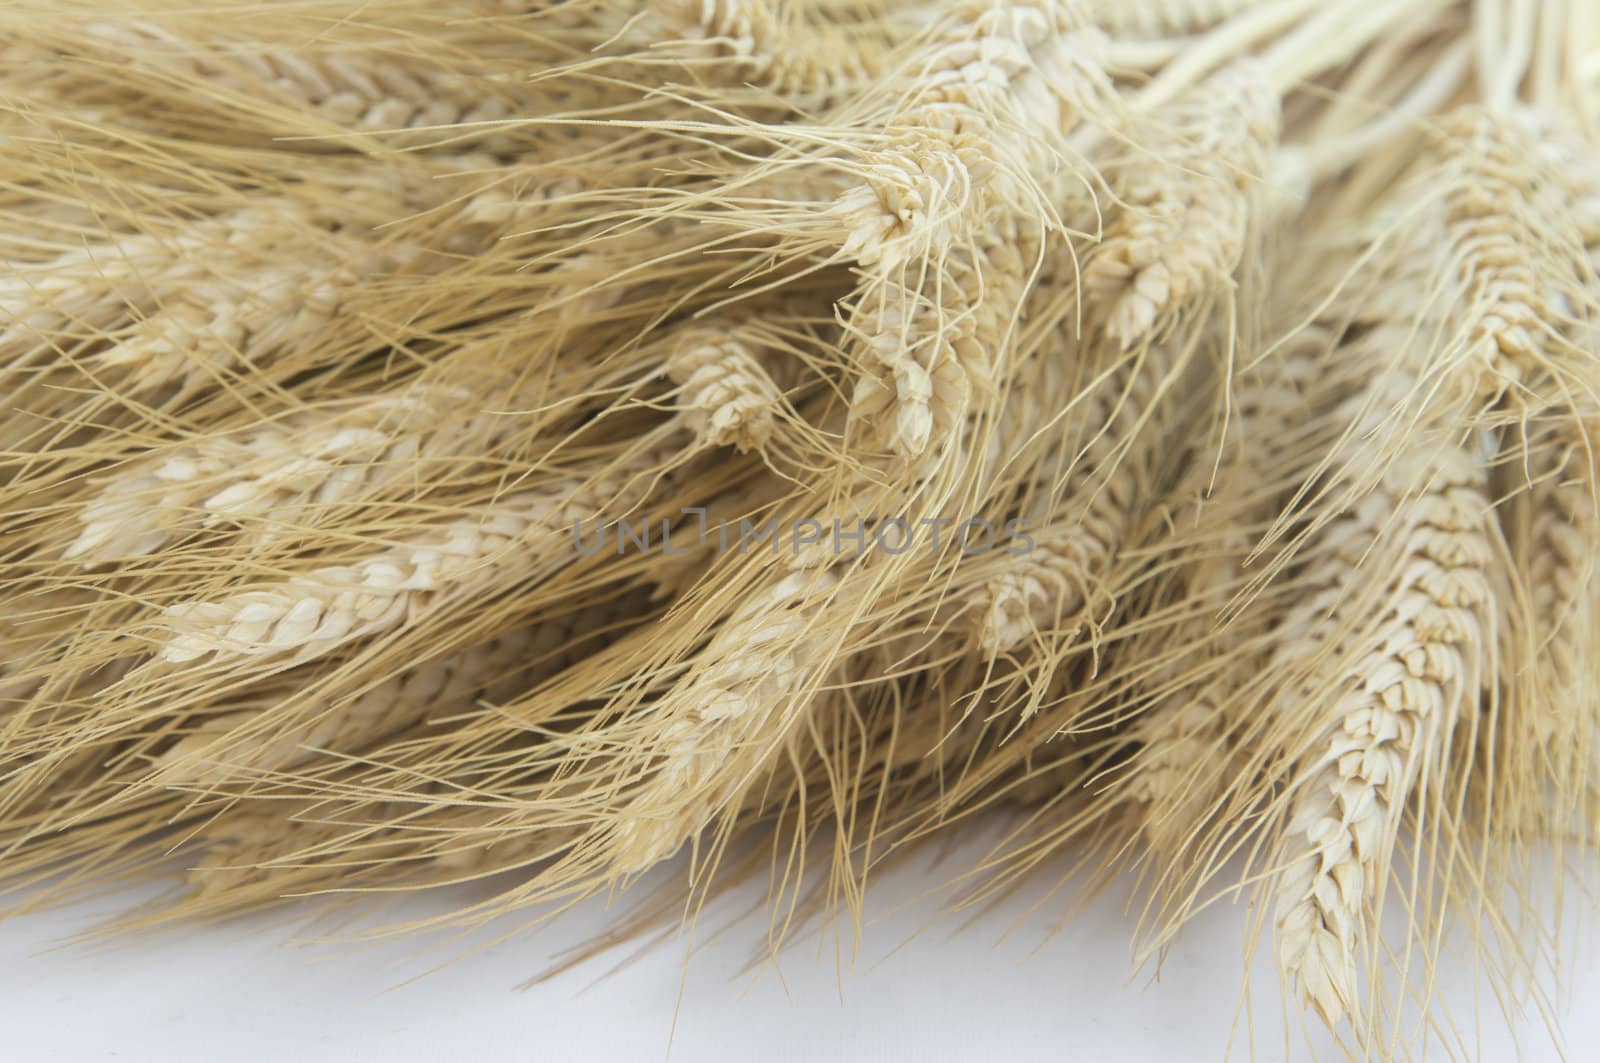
<point>923,988</point>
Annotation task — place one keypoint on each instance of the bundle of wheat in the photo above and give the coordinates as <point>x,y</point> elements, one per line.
<point>551,435</point>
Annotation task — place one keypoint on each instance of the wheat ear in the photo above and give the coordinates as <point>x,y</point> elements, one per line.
<point>728,394</point>
<point>306,616</point>
<point>935,350</point>
<point>258,851</point>
<point>990,95</point>
<point>1396,695</point>
<point>730,716</point>
<point>1481,249</point>
<point>1185,203</point>
<point>762,43</point>
<point>347,87</point>
<point>1078,527</point>
<point>221,324</point>
<point>1556,563</point>
<point>101,287</point>
<point>277,469</point>
<point>1183,734</point>
<point>494,670</point>
<point>1165,18</point>
<point>1182,768</point>
<point>949,222</point>
<point>1486,212</point>
<point>214,751</point>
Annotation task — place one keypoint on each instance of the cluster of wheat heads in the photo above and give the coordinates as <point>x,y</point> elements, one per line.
<point>442,440</point>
